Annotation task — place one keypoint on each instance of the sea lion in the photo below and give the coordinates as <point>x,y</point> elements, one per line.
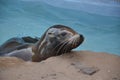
<point>57,40</point>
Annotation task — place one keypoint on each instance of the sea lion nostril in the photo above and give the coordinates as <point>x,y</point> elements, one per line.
<point>81,36</point>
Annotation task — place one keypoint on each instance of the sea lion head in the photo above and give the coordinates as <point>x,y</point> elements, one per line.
<point>63,38</point>
<point>57,40</point>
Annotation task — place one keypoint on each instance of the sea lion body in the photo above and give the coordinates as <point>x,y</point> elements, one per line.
<point>17,43</point>
<point>57,40</point>
<point>25,54</point>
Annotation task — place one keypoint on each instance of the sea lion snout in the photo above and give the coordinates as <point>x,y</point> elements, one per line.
<point>76,40</point>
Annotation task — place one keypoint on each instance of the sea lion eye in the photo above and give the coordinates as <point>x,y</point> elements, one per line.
<point>49,33</point>
<point>63,34</point>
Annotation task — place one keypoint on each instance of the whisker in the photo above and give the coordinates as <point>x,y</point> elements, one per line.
<point>62,46</point>
<point>73,42</point>
<point>57,46</point>
<point>63,51</point>
<point>65,48</point>
<point>76,42</point>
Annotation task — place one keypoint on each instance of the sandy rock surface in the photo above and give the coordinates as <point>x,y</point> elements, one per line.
<point>77,65</point>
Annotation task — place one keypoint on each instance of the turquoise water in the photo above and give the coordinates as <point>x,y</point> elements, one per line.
<point>101,28</point>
